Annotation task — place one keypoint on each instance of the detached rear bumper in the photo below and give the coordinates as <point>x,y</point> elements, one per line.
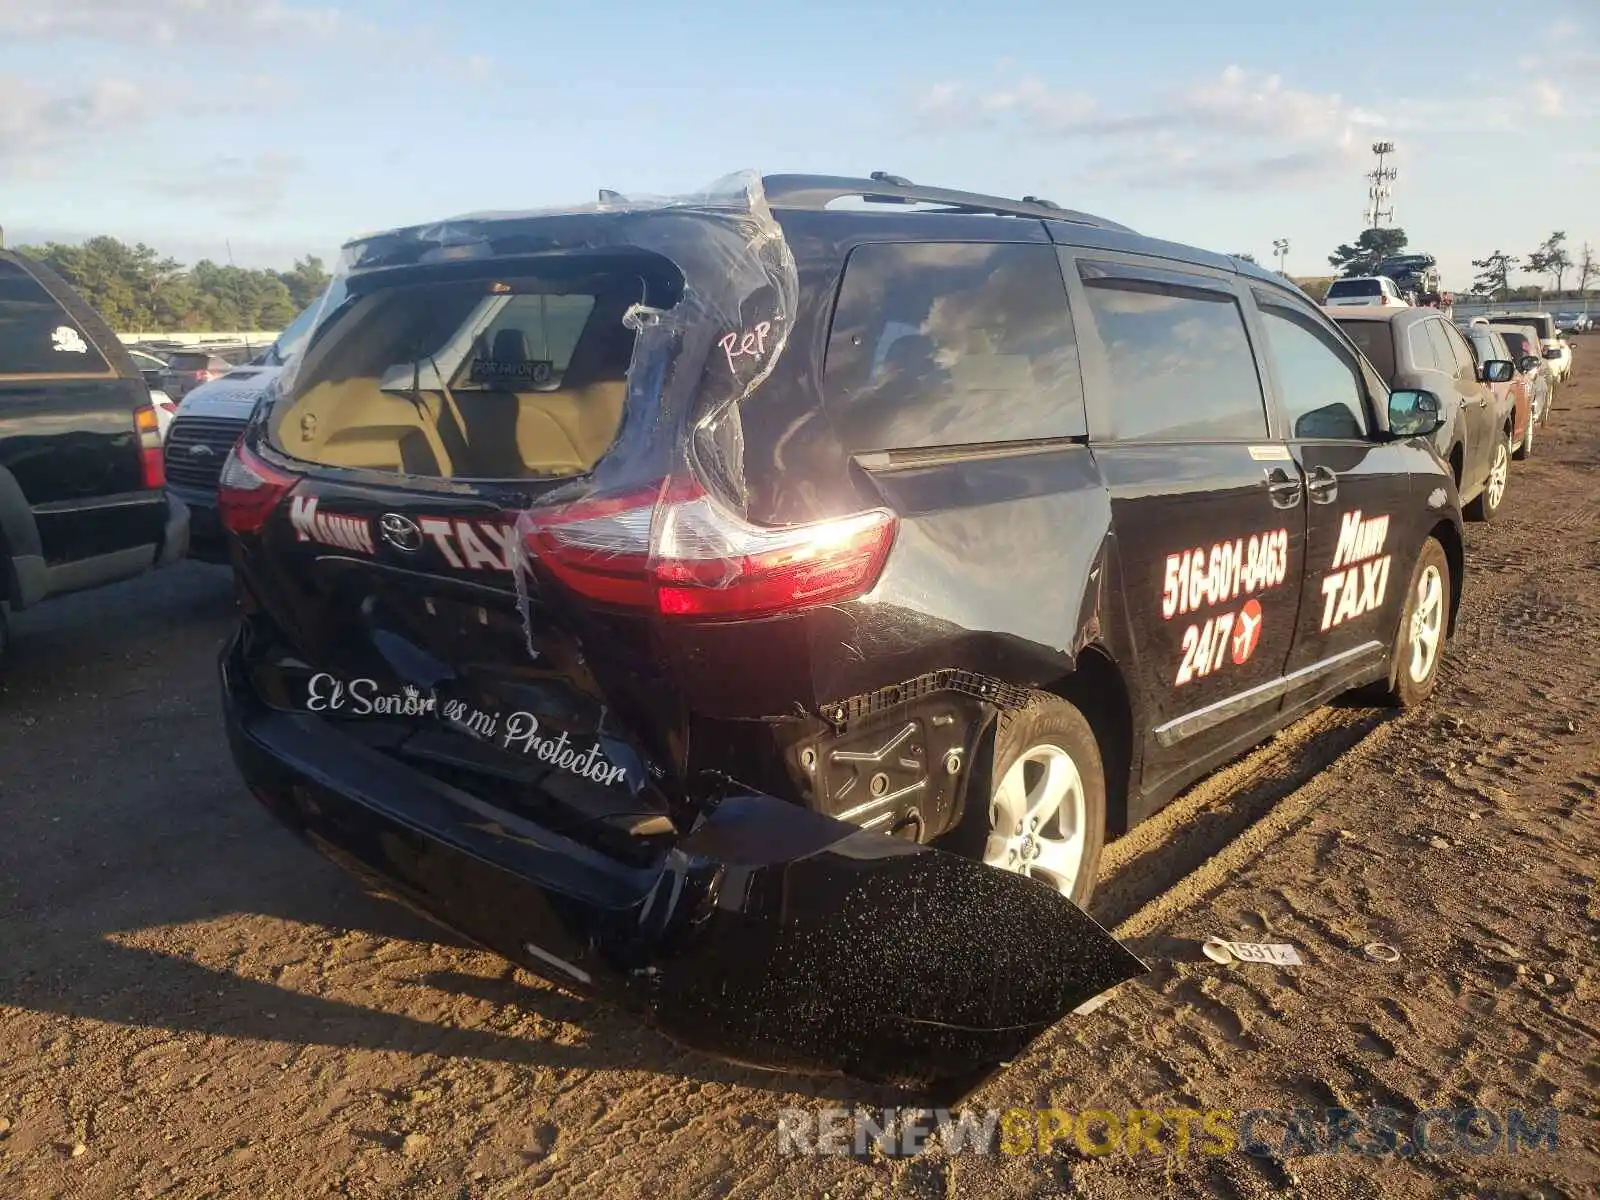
<point>208,540</point>
<point>770,935</point>
<point>175,535</point>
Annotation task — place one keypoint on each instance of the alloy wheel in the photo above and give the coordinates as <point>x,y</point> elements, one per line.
<point>1038,819</point>
<point>1427,624</point>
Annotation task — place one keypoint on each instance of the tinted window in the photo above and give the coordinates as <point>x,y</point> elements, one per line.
<point>190,362</point>
<point>1354,287</point>
<point>36,335</point>
<point>1423,355</point>
<point>1178,359</point>
<point>1518,344</point>
<point>1443,353</point>
<point>1458,344</point>
<point>1541,325</point>
<point>947,345</point>
<point>1321,388</point>
<point>1375,339</point>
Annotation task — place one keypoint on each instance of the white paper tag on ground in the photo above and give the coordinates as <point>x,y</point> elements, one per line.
<point>1279,954</point>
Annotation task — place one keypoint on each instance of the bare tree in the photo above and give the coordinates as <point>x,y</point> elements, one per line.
<point>1551,258</point>
<point>1588,270</point>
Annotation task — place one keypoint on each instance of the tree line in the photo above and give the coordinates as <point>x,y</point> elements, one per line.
<point>135,288</point>
<point>1551,258</point>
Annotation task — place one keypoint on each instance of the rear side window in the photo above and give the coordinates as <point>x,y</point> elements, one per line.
<point>37,337</point>
<point>1443,353</point>
<point>477,379</point>
<point>940,344</point>
<point>1423,354</point>
<point>1375,339</point>
<point>1458,344</point>
<point>1178,358</point>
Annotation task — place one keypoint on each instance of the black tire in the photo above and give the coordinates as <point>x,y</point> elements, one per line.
<point>1047,723</point>
<point>1406,691</point>
<point>1524,450</point>
<point>1485,505</point>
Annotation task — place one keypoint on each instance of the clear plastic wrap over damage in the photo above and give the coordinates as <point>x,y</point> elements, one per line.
<point>645,518</point>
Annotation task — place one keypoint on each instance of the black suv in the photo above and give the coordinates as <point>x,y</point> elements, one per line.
<point>81,478</point>
<point>697,601</point>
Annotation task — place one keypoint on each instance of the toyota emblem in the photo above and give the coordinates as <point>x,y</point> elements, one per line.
<point>201,450</point>
<point>401,532</point>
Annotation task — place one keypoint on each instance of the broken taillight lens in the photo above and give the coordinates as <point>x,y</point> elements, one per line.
<point>248,490</point>
<point>677,551</point>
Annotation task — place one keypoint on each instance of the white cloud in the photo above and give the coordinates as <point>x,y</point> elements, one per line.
<point>237,187</point>
<point>1236,129</point>
<point>36,124</point>
<point>1548,98</point>
<point>164,22</point>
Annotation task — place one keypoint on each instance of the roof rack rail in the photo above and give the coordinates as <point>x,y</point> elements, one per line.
<point>818,191</point>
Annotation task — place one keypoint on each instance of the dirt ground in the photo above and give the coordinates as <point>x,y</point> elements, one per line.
<point>192,1004</point>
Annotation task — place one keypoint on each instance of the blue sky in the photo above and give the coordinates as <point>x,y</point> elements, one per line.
<point>287,126</point>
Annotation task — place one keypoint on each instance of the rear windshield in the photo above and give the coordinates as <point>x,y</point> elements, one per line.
<point>486,379</point>
<point>1541,325</point>
<point>189,362</point>
<point>37,337</point>
<point>1375,339</point>
<point>1356,287</point>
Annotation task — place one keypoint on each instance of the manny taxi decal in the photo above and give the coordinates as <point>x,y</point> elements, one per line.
<point>1219,574</point>
<point>1360,574</point>
<point>463,544</point>
<point>346,533</point>
<point>470,545</point>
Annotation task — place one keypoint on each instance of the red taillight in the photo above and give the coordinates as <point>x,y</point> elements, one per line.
<point>248,490</point>
<point>677,551</point>
<point>152,468</point>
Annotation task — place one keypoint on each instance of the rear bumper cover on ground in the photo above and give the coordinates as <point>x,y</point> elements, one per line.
<point>769,935</point>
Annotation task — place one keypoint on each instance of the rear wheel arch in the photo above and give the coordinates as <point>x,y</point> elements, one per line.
<point>1448,536</point>
<point>1096,688</point>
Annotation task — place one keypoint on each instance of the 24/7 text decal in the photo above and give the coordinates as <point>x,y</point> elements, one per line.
<point>1360,574</point>
<point>1220,574</point>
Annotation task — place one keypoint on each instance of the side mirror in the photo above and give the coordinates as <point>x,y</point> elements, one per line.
<point>1528,362</point>
<point>1499,370</point>
<point>1413,413</point>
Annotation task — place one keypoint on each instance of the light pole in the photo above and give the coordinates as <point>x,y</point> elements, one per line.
<point>1280,248</point>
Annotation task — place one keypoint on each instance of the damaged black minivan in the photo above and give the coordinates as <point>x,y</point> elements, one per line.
<point>759,611</point>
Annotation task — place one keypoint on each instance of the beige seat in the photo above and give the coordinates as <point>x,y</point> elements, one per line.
<point>580,423</point>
